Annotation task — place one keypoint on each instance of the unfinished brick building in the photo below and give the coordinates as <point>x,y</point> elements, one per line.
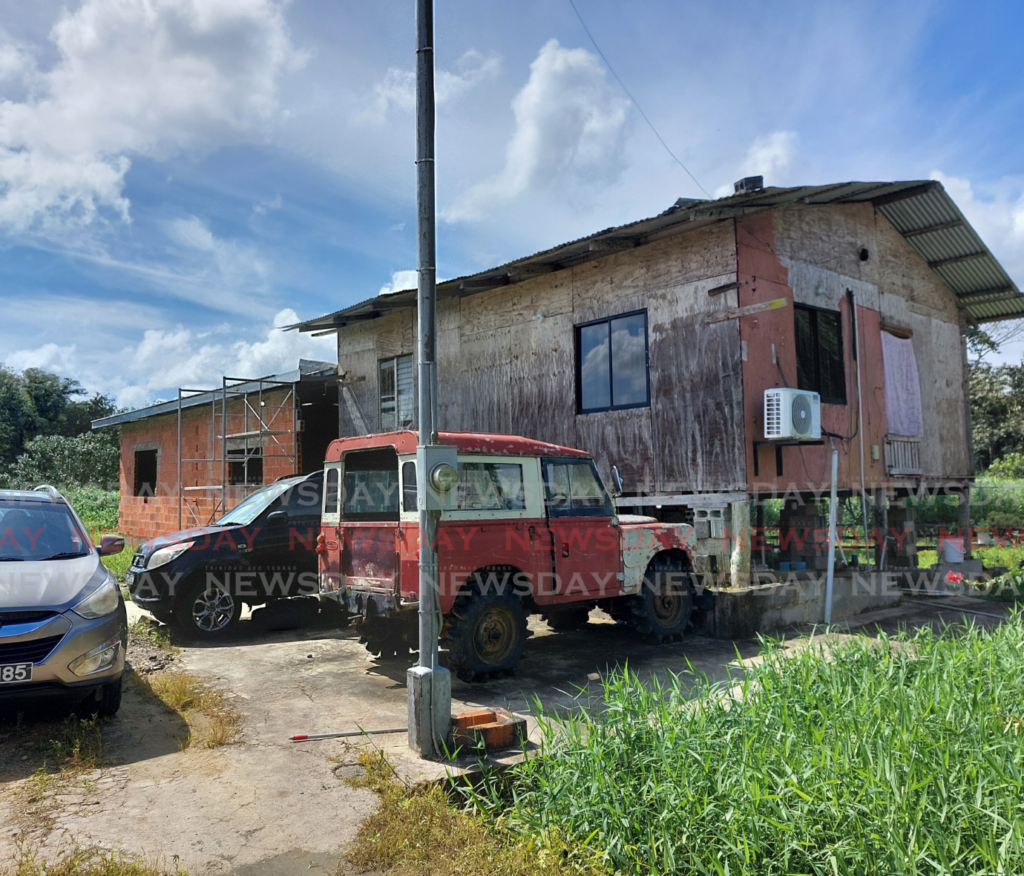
<point>187,461</point>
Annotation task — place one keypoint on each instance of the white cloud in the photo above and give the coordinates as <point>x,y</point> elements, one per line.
<point>50,357</point>
<point>134,77</point>
<point>168,358</point>
<point>398,88</point>
<point>400,280</point>
<point>164,359</point>
<point>570,128</point>
<point>769,156</point>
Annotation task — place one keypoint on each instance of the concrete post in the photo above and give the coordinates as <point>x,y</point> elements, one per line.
<point>739,561</point>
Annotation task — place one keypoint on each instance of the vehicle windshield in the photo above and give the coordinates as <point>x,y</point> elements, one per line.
<point>33,531</point>
<point>247,511</point>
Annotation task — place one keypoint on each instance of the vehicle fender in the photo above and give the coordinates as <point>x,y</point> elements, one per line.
<point>641,543</point>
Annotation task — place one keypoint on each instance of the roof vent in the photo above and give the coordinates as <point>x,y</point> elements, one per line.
<point>748,184</point>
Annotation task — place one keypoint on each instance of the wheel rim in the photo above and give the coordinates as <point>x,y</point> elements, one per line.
<point>495,636</point>
<point>213,610</point>
<point>668,607</point>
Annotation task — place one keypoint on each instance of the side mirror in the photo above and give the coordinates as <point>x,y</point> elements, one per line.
<point>111,544</point>
<point>277,518</point>
<point>618,481</point>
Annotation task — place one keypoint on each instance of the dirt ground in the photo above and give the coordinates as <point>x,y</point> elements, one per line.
<point>263,805</point>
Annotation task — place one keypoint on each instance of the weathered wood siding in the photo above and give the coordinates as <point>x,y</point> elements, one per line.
<point>506,362</point>
<point>811,255</point>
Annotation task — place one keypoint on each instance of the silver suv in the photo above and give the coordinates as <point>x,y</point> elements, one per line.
<point>63,625</point>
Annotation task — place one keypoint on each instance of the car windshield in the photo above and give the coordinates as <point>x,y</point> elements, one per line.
<point>247,511</point>
<point>33,531</point>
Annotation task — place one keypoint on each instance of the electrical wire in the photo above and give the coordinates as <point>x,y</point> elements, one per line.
<point>633,99</point>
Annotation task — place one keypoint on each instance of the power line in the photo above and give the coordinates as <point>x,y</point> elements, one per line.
<point>634,100</point>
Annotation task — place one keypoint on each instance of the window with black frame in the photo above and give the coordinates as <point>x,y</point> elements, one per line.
<point>612,364</point>
<point>819,353</point>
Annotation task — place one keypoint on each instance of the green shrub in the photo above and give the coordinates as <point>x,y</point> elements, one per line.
<point>1010,467</point>
<point>91,459</point>
<point>902,756</point>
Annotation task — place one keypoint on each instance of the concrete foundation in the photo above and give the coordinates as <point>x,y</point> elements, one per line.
<point>795,599</point>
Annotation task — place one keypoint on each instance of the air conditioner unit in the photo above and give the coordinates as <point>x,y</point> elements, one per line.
<point>792,414</point>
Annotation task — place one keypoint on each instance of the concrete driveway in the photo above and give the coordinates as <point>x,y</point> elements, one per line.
<point>265,805</point>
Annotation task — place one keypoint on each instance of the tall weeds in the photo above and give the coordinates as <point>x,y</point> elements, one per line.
<point>891,756</point>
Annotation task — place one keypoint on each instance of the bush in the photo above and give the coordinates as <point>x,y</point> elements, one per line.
<point>1010,467</point>
<point>96,507</point>
<point>869,757</point>
<point>91,459</point>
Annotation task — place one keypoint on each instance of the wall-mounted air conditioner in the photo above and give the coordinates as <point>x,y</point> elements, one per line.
<point>792,414</point>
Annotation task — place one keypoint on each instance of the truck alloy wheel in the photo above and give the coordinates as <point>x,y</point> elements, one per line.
<point>207,609</point>
<point>485,635</point>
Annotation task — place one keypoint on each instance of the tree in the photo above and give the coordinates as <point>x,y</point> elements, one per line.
<point>997,411</point>
<point>17,415</point>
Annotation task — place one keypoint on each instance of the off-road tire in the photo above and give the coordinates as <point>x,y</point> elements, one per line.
<point>485,635</point>
<point>568,619</point>
<point>384,638</point>
<point>205,611</point>
<point>661,611</point>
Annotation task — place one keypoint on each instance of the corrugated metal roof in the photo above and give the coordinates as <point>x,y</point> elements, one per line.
<point>309,369</point>
<point>921,210</point>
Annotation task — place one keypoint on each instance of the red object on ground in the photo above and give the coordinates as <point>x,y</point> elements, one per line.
<point>492,729</point>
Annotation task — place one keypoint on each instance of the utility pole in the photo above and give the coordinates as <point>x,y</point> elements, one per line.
<point>429,685</point>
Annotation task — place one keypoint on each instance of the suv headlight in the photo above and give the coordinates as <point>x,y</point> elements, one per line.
<point>101,602</point>
<point>163,556</point>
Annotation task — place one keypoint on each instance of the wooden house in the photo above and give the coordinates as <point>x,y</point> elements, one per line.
<point>652,344</point>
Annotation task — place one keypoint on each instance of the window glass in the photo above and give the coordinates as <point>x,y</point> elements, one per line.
<point>594,377</point>
<point>490,486</point>
<point>573,488</point>
<point>371,485</point>
<point>247,511</point>
<point>819,353</point>
<point>396,393</point>
<point>629,360</point>
<point>304,498</point>
<point>559,491</point>
<point>806,355</point>
<point>587,491</point>
<point>33,531</point>
<point>612,367</point>
<point>331,491</point>
<point>409,486</point>
<point>830,347</point>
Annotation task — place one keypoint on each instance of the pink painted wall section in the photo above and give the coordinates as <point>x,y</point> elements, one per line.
<point>763,278</point>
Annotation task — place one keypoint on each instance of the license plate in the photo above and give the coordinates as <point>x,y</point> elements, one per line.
<point>15,673</point>
<point>129,579</point>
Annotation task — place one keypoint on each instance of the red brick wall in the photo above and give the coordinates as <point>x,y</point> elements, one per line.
<point>144,517</point>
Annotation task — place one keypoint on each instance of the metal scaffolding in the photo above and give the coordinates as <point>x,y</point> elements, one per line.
<point>244,432</point>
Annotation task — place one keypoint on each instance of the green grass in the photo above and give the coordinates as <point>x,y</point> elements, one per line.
<point>901,756</point>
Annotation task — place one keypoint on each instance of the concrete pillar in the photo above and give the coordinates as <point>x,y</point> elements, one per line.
<point>739,524</point>
<point>964,520</point>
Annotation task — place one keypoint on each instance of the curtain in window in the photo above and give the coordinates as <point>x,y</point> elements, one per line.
<point>902,388</point>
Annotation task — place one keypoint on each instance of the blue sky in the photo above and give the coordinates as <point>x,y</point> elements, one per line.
<point>178,177</point>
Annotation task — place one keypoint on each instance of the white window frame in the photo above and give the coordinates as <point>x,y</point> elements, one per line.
<point>325,517</point>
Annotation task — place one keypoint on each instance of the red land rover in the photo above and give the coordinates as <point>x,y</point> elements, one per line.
<point>530,529</point>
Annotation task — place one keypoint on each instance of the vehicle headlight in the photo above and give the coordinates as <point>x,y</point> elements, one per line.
<point>99,658</point>
<point>163,556</point>
<point>101,602</point>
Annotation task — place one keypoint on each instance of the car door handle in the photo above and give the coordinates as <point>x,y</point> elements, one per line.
<point>565,549</point>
